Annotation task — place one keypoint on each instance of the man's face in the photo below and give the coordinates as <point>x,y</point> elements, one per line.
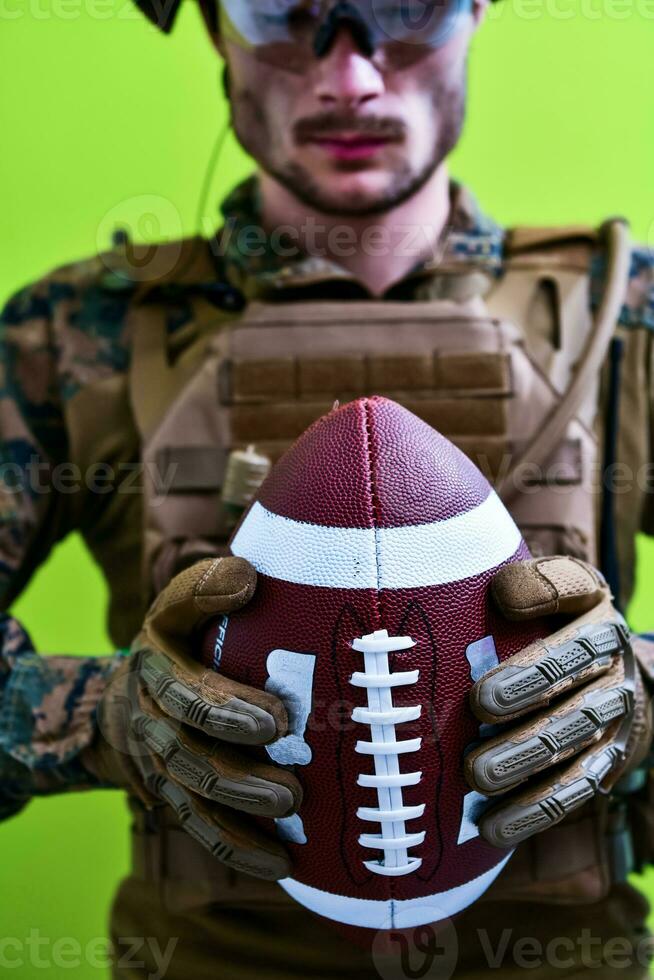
<point>350,134</point>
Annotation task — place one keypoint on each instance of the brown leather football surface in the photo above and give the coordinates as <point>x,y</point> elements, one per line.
<point>375,541</point>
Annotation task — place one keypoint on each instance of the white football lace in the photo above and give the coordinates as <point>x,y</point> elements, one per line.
<point>382,716</point>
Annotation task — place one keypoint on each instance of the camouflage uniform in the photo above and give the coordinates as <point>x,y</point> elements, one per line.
<point>67,344</point>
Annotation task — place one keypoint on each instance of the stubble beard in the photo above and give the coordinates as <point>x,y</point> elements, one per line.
<point>448,104</point>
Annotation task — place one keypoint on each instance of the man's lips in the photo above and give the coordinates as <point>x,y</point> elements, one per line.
<point>350,146</point>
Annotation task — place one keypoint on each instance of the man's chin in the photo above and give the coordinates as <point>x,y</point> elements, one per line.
<point>352,194</point>
<point>360,194</point>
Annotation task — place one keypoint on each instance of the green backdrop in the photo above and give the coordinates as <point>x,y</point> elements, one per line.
<point>97,111</point>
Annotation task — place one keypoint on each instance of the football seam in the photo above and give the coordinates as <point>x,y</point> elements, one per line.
<point>374,506</point>
<point>374,502</point>
<point>376,523</point>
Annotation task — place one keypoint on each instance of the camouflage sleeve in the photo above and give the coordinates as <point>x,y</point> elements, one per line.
<point>32,439</point>
<point>47,704</point>
<point>638,310</point>
<point>47,716</point>
<point>638,307</point>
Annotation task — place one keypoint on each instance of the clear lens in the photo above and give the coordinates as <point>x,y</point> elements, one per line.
<point>260,22</point>
<point>424,22</point>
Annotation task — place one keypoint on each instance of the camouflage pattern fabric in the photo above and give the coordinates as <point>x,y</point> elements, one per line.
<point>47,715</point>
<point>70,333</point>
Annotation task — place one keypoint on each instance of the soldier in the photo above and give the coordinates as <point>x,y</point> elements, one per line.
<point>351,263</point>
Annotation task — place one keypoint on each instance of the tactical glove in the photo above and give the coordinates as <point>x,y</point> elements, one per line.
<point>170,731</point>
<point>573,710</point>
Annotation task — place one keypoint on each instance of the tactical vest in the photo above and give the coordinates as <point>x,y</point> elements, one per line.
<point>509,369</point>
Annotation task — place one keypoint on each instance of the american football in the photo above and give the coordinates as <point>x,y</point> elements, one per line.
<point>375,540</point>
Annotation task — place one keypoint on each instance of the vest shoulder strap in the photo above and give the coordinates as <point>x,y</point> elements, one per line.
<point>613,236</point>
<point>526,238</point>
<point>570,247</point>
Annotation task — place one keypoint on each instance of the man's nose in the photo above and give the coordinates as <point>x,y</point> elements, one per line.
<point>345,75</point>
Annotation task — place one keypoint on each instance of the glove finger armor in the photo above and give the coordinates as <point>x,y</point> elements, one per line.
<point>212,703</point>
<point>216,772</point>
<point>236,845</point>
<point>545,669</point>
<point>538,808</point>
<point>505,761</point>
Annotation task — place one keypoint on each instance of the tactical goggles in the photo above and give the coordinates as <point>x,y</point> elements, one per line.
<point>284,29</point>
<point>374,23</point>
